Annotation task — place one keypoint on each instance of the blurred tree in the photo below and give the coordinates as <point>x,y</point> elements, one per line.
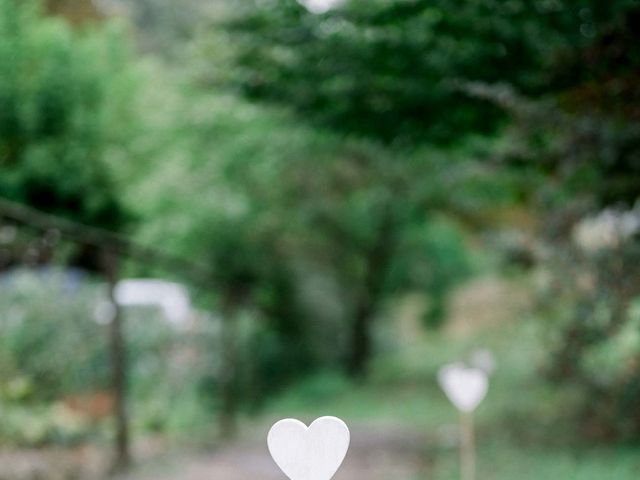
<point>372,219</point>
<point>65,103</point>
<point>578,149</point>
<point>265,201</point>
<point>63,115</point>
<point>390,69</point>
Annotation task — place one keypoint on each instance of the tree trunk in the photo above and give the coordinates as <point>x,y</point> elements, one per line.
<point>122,457</point>
<point>227,418</point>
<point>228,393</point>
<point>360,341</point>
<point>378,259</point>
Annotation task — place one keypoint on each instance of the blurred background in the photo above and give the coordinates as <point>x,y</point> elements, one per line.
<point>218,213</point>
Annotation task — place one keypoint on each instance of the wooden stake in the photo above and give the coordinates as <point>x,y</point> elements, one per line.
<point>232,301</point>
<point>228,388</point>
<point>467,447</point>
<point>122,457</point>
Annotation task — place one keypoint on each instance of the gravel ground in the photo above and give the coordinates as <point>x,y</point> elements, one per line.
<point>376,453</point>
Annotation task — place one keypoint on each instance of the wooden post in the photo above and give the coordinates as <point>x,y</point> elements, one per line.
<point>467,447</point>
<point>117,350</point>
<point>231,302</point>
<point>228,373</point>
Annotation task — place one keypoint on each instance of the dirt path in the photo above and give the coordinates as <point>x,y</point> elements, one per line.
<point>376,453</point>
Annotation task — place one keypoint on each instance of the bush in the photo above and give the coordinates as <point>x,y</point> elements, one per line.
<point>49,342</point>
<point>595,307</point>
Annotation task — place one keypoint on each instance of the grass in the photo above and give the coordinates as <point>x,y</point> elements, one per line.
<point>498,460</point>
<point>406,378</point>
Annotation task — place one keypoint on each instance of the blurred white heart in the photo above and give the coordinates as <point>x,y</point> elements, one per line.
<point>309,453</point>
<point>320,6</point>
<point>464,387</point>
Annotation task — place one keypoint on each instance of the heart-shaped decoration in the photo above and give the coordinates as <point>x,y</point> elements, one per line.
<point>309,453</point>
<point>465,387</point>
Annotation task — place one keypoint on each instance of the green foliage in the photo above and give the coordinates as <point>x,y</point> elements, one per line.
<point>438,114</point>
<point>595,334</point>
<point>63,114</point>
<point>54,361</point>
<point>225,213</point>
<point>434,259</point>
<point>270,206</point>
<point>391,69</point>
<point>582,147</point>
<point>578,149</point>
<point>46,317</point>
<point>40,425</point>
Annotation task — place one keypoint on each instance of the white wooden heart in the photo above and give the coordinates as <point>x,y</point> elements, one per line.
<point>465,387</point>
<point>309,453</point>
